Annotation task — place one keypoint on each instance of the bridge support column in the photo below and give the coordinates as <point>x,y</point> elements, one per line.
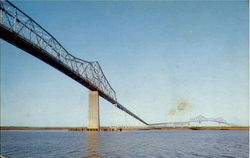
<point>93,111</point>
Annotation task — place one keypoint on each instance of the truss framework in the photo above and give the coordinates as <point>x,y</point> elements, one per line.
<point>18,22</point>
<point>22,31</point>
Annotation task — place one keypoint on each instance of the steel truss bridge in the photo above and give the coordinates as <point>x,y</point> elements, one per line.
<point>20,30</point>
<point>199,119</point>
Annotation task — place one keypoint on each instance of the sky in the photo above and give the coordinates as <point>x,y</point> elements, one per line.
<point>167,61</point>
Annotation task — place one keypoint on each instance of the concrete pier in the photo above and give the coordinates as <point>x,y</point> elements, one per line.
<point>93,112</point>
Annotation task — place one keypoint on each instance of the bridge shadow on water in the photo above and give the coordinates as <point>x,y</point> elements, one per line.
<point>93,142</point>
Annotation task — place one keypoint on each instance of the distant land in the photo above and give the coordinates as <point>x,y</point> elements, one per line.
<point>128,128</point>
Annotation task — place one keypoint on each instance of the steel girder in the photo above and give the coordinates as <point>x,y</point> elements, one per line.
<point>22,31</point>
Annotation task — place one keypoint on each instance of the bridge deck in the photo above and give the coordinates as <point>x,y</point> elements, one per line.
<point>21,43</point>
<point>32,38</point>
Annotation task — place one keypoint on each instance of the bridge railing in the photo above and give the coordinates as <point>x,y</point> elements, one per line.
<point>25,27</point>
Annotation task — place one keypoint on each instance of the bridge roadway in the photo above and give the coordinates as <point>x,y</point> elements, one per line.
<point>22,31</point>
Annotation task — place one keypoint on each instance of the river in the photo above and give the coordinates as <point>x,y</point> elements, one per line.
<point>127,144</point>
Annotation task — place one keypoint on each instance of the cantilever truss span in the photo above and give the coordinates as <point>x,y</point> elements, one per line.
<point>22,31</point>
<point>197,119</point>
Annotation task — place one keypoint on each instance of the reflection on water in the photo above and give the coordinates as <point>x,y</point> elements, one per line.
<point>93,141</point>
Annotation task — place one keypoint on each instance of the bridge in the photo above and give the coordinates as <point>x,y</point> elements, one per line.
<point>199,119</point>
<point>22,31</point>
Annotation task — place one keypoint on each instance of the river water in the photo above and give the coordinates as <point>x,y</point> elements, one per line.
<point>127,144</point>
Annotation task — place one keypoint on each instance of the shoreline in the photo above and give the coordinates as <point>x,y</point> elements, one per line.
<point>127,128</point>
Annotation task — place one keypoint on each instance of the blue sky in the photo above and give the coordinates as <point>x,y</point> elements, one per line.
<point>157,56</point>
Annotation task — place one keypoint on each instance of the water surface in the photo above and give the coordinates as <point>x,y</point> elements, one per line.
<point>127,144</point>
